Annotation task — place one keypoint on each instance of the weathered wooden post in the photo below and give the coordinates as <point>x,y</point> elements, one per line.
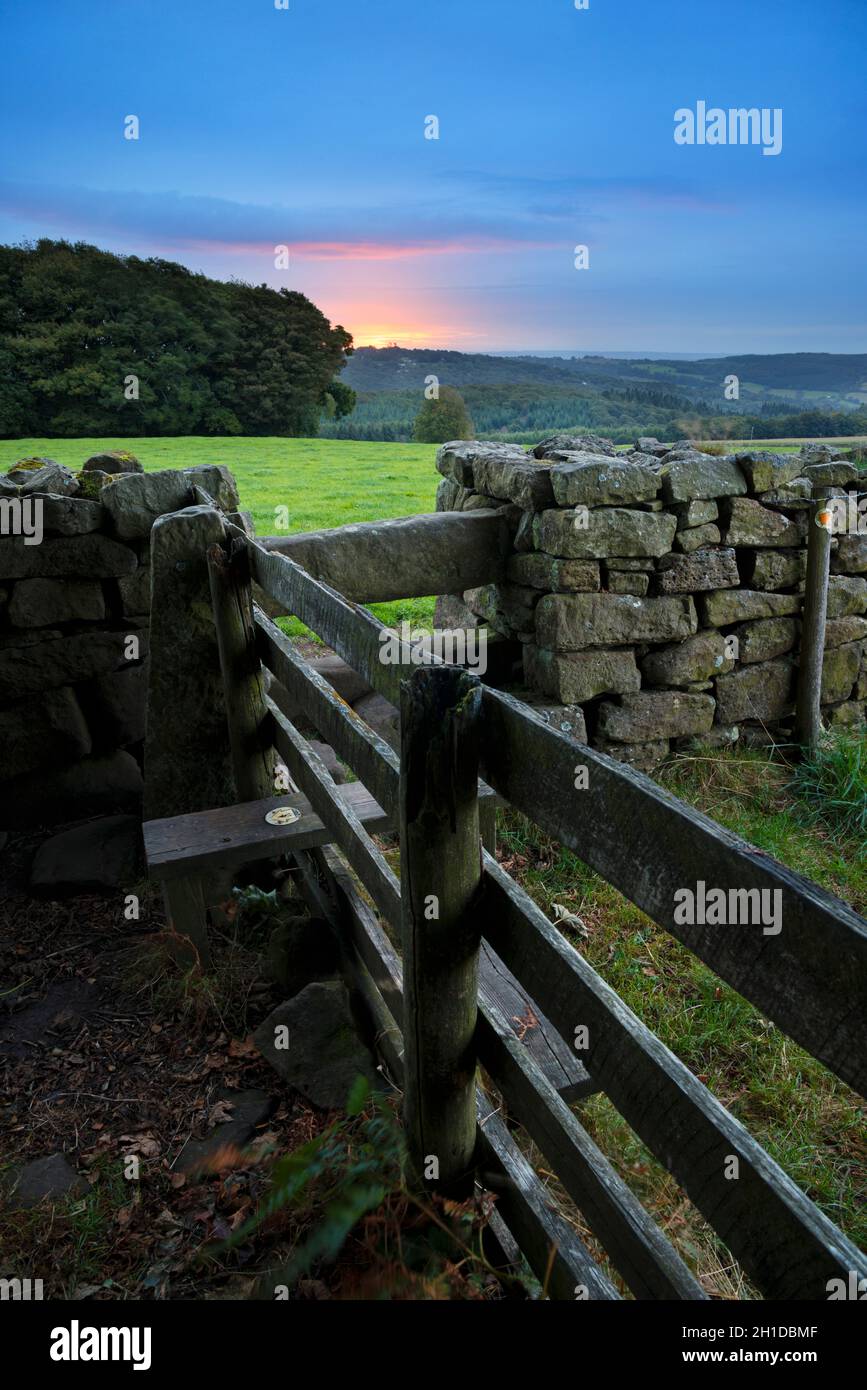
<point>187,761</point>
<point>232,597</point>
<point>809,699</point>
<point>440,877</point>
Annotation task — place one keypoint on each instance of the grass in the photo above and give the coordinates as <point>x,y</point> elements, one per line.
<point>832,783</point>
<point>319,483</point>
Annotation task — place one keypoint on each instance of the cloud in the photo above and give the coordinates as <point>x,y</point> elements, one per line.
<point>170,221</point>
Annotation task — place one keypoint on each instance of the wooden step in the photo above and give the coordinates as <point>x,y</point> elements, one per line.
<point>180,846</point>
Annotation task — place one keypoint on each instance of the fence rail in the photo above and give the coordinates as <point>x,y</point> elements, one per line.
<point>432,1023</point>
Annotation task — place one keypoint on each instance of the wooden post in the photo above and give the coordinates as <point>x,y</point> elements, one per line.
<point>440,876</point>
<point>185,907</point>
<point>809,700</point>
<point>231,596</point>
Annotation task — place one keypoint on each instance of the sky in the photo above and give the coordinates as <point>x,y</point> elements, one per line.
<point>305,127</point>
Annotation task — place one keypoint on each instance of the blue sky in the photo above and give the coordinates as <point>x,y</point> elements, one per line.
<point>305,127</point>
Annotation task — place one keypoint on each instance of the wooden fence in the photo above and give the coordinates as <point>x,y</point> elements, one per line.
<point>476,949</point>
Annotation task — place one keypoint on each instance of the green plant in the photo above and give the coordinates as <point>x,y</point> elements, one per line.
<point>344,1202</point>
<point>832,783</point>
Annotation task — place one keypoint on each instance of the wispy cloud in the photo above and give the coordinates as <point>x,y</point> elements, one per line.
<point>170,221</point>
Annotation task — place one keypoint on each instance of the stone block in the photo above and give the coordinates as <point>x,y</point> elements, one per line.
<point>747,522</point>
<point>695,659</point>
<point>573,444</point>
<point>574,679</point>
<point>691,514</point>
<point>622,582</point>
<point>44,731</point>
<point>846,596</point>
<point>764,471</point>
<point>697,538</point>
<point>655,714</point>
<point>725,607</point>
<point>571,622</point>
<point>324,1056</point>
<point>698,476</point>
<point>765,691</point>
<point>553,574</point>
<point>41,602</point>
<point>595,480</point>
<point>702,570</point>
<point>765,638</point>
<point>81,557</point>
<point>773,569</point>
<point>90,787</point>
<point>603,531</point>
<point>850,556</point>
<point>47,659</point>
<point>135,500</point>
<point>643,757</point>
<point>840,670</point>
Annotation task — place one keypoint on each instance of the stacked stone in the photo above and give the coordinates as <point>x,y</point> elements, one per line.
<point>72,683</point>
<point>632,573</point>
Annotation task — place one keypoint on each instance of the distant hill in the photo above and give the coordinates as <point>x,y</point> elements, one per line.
<point>522,397</point>
<point>789,375</point>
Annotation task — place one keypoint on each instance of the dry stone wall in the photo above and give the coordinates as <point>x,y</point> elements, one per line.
<point>74,629</point>
<point>656,593</point>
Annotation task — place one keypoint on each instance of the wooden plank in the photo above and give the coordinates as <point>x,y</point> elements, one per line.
<point>810,979</point>
<point>369,756</point>
<point>555,1253</point>
<point>337,814</point>
<point>348,628</point>
<point>786,1245</point>
<point>366,931</point>
<point>440,876</point>
<point>405,557</point>
<point>632,1241</point>
<point>538,1036</point>
<point>232,604</point>
<point>323,880</point>
<point>180,845</point>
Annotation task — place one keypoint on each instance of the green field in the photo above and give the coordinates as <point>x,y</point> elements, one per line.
<point>323,482</point>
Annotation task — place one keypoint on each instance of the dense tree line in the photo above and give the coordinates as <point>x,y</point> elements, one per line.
<point>92,344</point>
<point>528,413</point>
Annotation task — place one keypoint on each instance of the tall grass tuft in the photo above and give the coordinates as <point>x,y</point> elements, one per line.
<point>832,783</point>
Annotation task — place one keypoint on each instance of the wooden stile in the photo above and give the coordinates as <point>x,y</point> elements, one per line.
<point>465,999</point>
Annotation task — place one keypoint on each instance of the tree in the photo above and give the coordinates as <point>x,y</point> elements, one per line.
<point>101,344</point>
<point>339,400</point>
<point>443,419</point>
